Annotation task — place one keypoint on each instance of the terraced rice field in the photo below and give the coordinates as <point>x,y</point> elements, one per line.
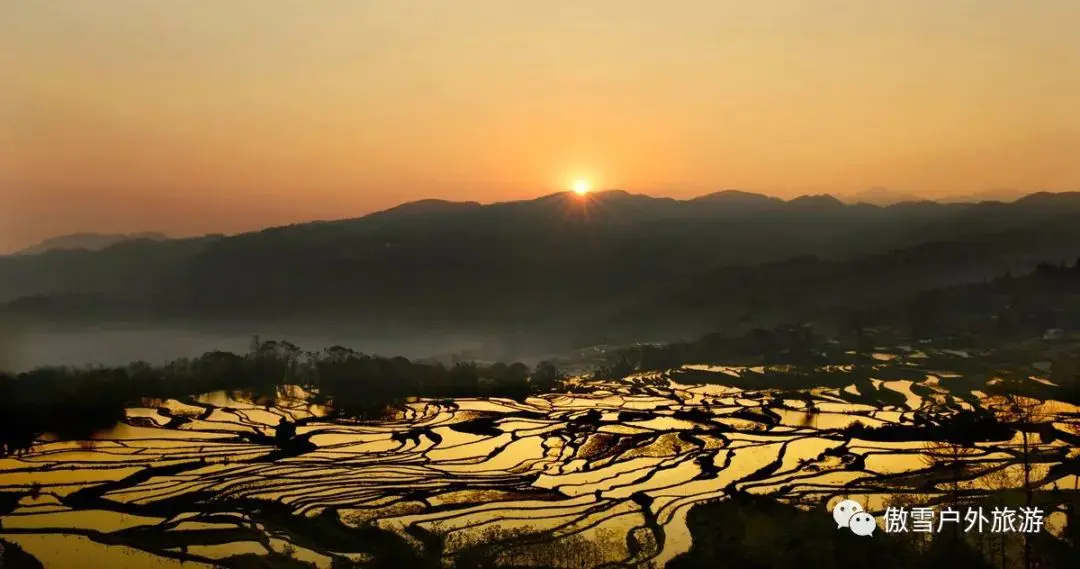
<point>609,470</point>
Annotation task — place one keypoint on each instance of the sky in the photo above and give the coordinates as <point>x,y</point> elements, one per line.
<point>207,116</point>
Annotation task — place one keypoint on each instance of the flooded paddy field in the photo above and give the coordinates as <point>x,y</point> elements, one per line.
<point>603,473</point>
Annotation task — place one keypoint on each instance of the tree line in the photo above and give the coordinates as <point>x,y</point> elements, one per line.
<point>74,402</point>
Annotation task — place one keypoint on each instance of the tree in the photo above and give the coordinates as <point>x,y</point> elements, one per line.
<point>766,344</point>
<point>1023,413</point>
<point>545,376</point>
<point>856,323</point>
<point>516,381</point>
<point>952,451</point>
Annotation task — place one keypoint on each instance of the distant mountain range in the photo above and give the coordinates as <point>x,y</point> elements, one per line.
<point>88,241</point>
<point>887,197</point>
<point>721,203</point>
<point>881,197</point>
<point>610,265</point>
<point>725,203</point>
<point>999,195</point>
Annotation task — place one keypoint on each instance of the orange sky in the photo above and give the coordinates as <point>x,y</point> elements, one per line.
<point>205,116</point>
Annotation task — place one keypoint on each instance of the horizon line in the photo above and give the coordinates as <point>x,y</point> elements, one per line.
<point>1015,195</point>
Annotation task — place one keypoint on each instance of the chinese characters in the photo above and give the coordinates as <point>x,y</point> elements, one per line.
<point>1001,520</point>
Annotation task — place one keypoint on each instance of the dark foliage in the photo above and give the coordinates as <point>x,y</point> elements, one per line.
<point>760,533</point>
<point>76,402</point>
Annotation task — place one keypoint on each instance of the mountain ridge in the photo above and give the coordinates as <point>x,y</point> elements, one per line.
<point>556,256</point>
<point>719,204</point>
<point>881,197</point>
<point>88,241</point>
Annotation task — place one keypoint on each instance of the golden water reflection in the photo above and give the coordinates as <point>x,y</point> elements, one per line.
<point>611,460</point>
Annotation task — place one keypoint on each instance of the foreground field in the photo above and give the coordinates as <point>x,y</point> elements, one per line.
<point>603,473</point>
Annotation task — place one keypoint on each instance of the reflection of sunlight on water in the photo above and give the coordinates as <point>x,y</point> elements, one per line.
<point>1070,482</point>
<point>826,481</point>
<point>301,554</point>
<point>882,463</point>
<point>1052,407</point>
<point>511,457</point>
<point>587,482</point>
<point>669,475</point>
<point>728,370</point>
<point>100,520</point>
<point>63,481</point>
<point>60,551</point>
<point>800,451</point>
<point>592,463</point>
<point>223,550</point>
<point>571,540</point>
<point>150,414</point>
<point>1043,381</point>
<point>821,420</point>
<point>903,387</point>
<point>1056,523</point>
<point>126,432</point>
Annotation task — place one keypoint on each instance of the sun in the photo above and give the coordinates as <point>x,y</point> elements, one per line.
<point>580,187</point>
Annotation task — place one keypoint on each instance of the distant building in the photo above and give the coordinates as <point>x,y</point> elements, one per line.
<point>1054,334</point>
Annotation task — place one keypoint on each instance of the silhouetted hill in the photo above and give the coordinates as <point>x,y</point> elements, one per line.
<point>88,241</point>
<point>616,207</point>
<point>735,202</point>
<point>991,195</point>
<point>881,197</point>
<point>818,202</point>
<point>810,288</point>
<point>1049,200</point>
<point>1011,304</point>
<point>430,207</point>
<point>612,264</point>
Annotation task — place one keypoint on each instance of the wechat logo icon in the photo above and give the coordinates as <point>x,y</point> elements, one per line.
<point>850,514</point>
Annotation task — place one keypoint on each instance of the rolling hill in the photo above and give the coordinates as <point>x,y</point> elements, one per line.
<point>88,242</point>
<point>613,265</point>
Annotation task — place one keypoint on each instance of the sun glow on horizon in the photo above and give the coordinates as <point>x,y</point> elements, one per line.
<point>580,187</point>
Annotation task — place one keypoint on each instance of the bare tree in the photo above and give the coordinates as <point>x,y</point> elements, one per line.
<point>951,456</point>
<point>998,480</point>
<point>1024,413</point>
